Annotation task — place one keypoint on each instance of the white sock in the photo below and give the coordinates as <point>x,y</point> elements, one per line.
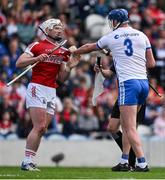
<point>142,165</point>
<point>123,161</point>
<point>29,156</point>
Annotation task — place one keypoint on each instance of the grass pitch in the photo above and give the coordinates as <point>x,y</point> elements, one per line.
<point>78,173</point>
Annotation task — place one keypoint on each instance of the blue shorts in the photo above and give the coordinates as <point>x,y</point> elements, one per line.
<point>133,92</point>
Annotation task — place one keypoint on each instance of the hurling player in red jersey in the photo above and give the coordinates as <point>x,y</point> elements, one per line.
<point>41,91</point>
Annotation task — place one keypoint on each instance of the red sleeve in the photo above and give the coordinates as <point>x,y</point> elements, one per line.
<point>66,55</point>
<point>32,48</point>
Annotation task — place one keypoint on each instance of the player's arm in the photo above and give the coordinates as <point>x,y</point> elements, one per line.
<point>27,59</point>
<point>66,68</point>
<point>150,63</point>
<point>150,58</point>
<point>87,48</point>
<point>105,72</point>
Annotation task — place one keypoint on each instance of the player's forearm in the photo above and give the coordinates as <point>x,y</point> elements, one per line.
<point>23,62</point>
<point>106,73</point>
<point>87,48</point>
<point>64,75</point>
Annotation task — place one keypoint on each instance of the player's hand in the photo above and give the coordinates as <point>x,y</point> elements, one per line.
<point>74,60</point>
<point>97,69</point>
<point>72,49</point>
<point>42,57</point>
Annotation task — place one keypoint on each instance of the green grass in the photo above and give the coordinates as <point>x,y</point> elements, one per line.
<point>78,173</point>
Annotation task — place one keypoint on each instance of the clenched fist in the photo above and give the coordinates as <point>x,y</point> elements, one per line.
<point>72,49</point>
<point>42,57</point>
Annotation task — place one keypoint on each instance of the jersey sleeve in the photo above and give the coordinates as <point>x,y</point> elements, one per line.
<point>148,44</point>
<point>66,56</point>
<point>102,42</point>
<point>31,48</point>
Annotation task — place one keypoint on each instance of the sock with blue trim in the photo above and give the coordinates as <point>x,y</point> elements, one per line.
<point>124,158</point>
<point>141,162</point>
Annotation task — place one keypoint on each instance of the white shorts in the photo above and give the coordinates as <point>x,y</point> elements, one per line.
<point>41,96</point>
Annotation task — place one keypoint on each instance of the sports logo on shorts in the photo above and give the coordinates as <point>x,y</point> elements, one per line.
<point>33,91</point>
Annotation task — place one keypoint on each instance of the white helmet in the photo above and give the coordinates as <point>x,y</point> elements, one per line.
<point>50,23</point>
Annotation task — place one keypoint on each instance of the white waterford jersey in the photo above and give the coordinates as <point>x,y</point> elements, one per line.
<point>128,48</point>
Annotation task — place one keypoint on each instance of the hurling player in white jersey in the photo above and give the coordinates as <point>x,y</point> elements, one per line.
<point>41,91</point>
<point>132,54</point>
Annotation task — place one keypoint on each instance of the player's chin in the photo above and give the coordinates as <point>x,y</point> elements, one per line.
<point>57,38</point>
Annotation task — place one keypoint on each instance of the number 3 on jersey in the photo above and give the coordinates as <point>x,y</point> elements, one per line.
<point>128,44</point>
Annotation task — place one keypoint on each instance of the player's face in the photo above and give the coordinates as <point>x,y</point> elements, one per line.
<point>56,32</point>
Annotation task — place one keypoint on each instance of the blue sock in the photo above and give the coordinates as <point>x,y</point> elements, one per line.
<point>125,156</point>
<point>141,160</point>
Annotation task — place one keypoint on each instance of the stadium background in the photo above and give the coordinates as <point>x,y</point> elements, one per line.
<point>84,21</point>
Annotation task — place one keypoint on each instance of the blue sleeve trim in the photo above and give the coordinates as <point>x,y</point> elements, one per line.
<point>98,46</point>
<point>148,47</point>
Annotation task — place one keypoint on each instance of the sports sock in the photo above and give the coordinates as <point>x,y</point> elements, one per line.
<point>118,139</point>
<point>29,156</point>
<point>141,162</point>
<point>124,158</point>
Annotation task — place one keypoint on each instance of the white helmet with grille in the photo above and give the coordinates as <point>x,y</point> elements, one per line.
<point>50,23</point>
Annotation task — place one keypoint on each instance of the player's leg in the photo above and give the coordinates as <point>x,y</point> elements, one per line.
<point>128,114</point>
<point>40,120</point>
<point>36,102</point>
<point>113,128</point>
<point>114,123</point>
<point>130,93</point>
<point>140,117</point>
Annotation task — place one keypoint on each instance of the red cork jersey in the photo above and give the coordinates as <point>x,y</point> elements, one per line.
<point>45,73</point>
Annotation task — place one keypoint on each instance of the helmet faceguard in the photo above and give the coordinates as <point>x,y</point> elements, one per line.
<point>49,24</point>
<point>118,15</point>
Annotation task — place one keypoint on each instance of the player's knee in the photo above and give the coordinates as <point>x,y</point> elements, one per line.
<point>130,131</point>
<point>113,125</point>
<point>112,128</point>
<point>42,129</point>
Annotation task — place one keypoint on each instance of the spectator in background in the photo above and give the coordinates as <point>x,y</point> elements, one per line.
<point>5,66</point>
<point>102,118</point>
<point>71,127</point>
<point>155,13</point>
<point>65,117</point>
<point>14,52</point>
<point>26,28</point>
<point>7,105</point>
<point>6,125</point>
<point>3,41</point>
<point>159,124</point>
<point>24,126</point>
<point>11,25</point>
<point>88,123</point>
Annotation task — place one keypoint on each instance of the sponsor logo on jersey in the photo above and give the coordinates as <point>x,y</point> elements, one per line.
<point>55,59</point>
<point>116,36</point>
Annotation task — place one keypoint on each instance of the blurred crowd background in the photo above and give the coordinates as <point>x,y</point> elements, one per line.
<point>84,21</point>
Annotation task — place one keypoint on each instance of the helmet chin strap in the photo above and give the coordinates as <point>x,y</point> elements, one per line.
<point>114,27</point>
<point>55,38</point>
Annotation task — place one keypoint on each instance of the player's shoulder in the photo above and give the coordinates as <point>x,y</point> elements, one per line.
<point>30,46</point>
<point>138,31</point>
